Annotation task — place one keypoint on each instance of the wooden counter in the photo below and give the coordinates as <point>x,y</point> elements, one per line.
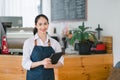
<point>10,68</point>
<point>76,67</point>
<point>88,67</point>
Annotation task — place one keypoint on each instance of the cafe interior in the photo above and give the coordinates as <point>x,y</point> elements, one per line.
<point>100,17</point>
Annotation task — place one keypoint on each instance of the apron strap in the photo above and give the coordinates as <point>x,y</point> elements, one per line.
<point>36,42</point>
<point>49,44</point>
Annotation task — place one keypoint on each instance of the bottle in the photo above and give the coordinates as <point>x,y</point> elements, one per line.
<point>5,49</point>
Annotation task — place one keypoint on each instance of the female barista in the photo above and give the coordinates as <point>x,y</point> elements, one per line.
<point>37,50</point>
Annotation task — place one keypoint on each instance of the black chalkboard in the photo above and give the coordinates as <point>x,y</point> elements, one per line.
<point>66,10</point>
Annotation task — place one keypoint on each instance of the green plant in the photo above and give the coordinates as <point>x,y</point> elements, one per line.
<point>82,34</point>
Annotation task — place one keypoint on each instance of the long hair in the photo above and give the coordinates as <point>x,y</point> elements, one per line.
<point>36,20</point>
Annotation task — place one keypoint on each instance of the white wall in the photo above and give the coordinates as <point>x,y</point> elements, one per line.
<point>103,12</point>
<point>29,12</point>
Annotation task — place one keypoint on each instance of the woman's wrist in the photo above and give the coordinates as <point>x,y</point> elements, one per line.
<point>40,63</point>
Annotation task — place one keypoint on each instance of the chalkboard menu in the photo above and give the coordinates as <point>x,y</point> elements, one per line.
<point>67,10</point>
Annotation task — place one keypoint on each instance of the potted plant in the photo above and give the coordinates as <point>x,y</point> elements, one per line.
<point>85,38</point>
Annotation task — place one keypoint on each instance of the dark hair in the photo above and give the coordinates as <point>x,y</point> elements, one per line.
<point>36,20</point>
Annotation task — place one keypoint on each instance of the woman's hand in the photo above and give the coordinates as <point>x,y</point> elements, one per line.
<point>47,63</point>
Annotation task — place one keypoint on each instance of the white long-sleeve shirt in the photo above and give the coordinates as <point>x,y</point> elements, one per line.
<point>29,45</point>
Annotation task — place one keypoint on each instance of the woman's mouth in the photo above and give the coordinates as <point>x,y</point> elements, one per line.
<point>43,30</point>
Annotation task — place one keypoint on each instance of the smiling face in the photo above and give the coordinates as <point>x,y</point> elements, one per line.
<point>42,25</point>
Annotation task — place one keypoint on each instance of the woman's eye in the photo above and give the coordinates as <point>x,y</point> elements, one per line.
<point>45,23</point>
<point>40,24</point>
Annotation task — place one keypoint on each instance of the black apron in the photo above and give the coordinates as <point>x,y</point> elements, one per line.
<point>38,54</point>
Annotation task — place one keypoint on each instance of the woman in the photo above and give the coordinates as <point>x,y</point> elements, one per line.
<point>37,50</point>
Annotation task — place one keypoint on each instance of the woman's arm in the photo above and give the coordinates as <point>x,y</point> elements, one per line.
<point>46,61</point>
<point>58,65</point>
